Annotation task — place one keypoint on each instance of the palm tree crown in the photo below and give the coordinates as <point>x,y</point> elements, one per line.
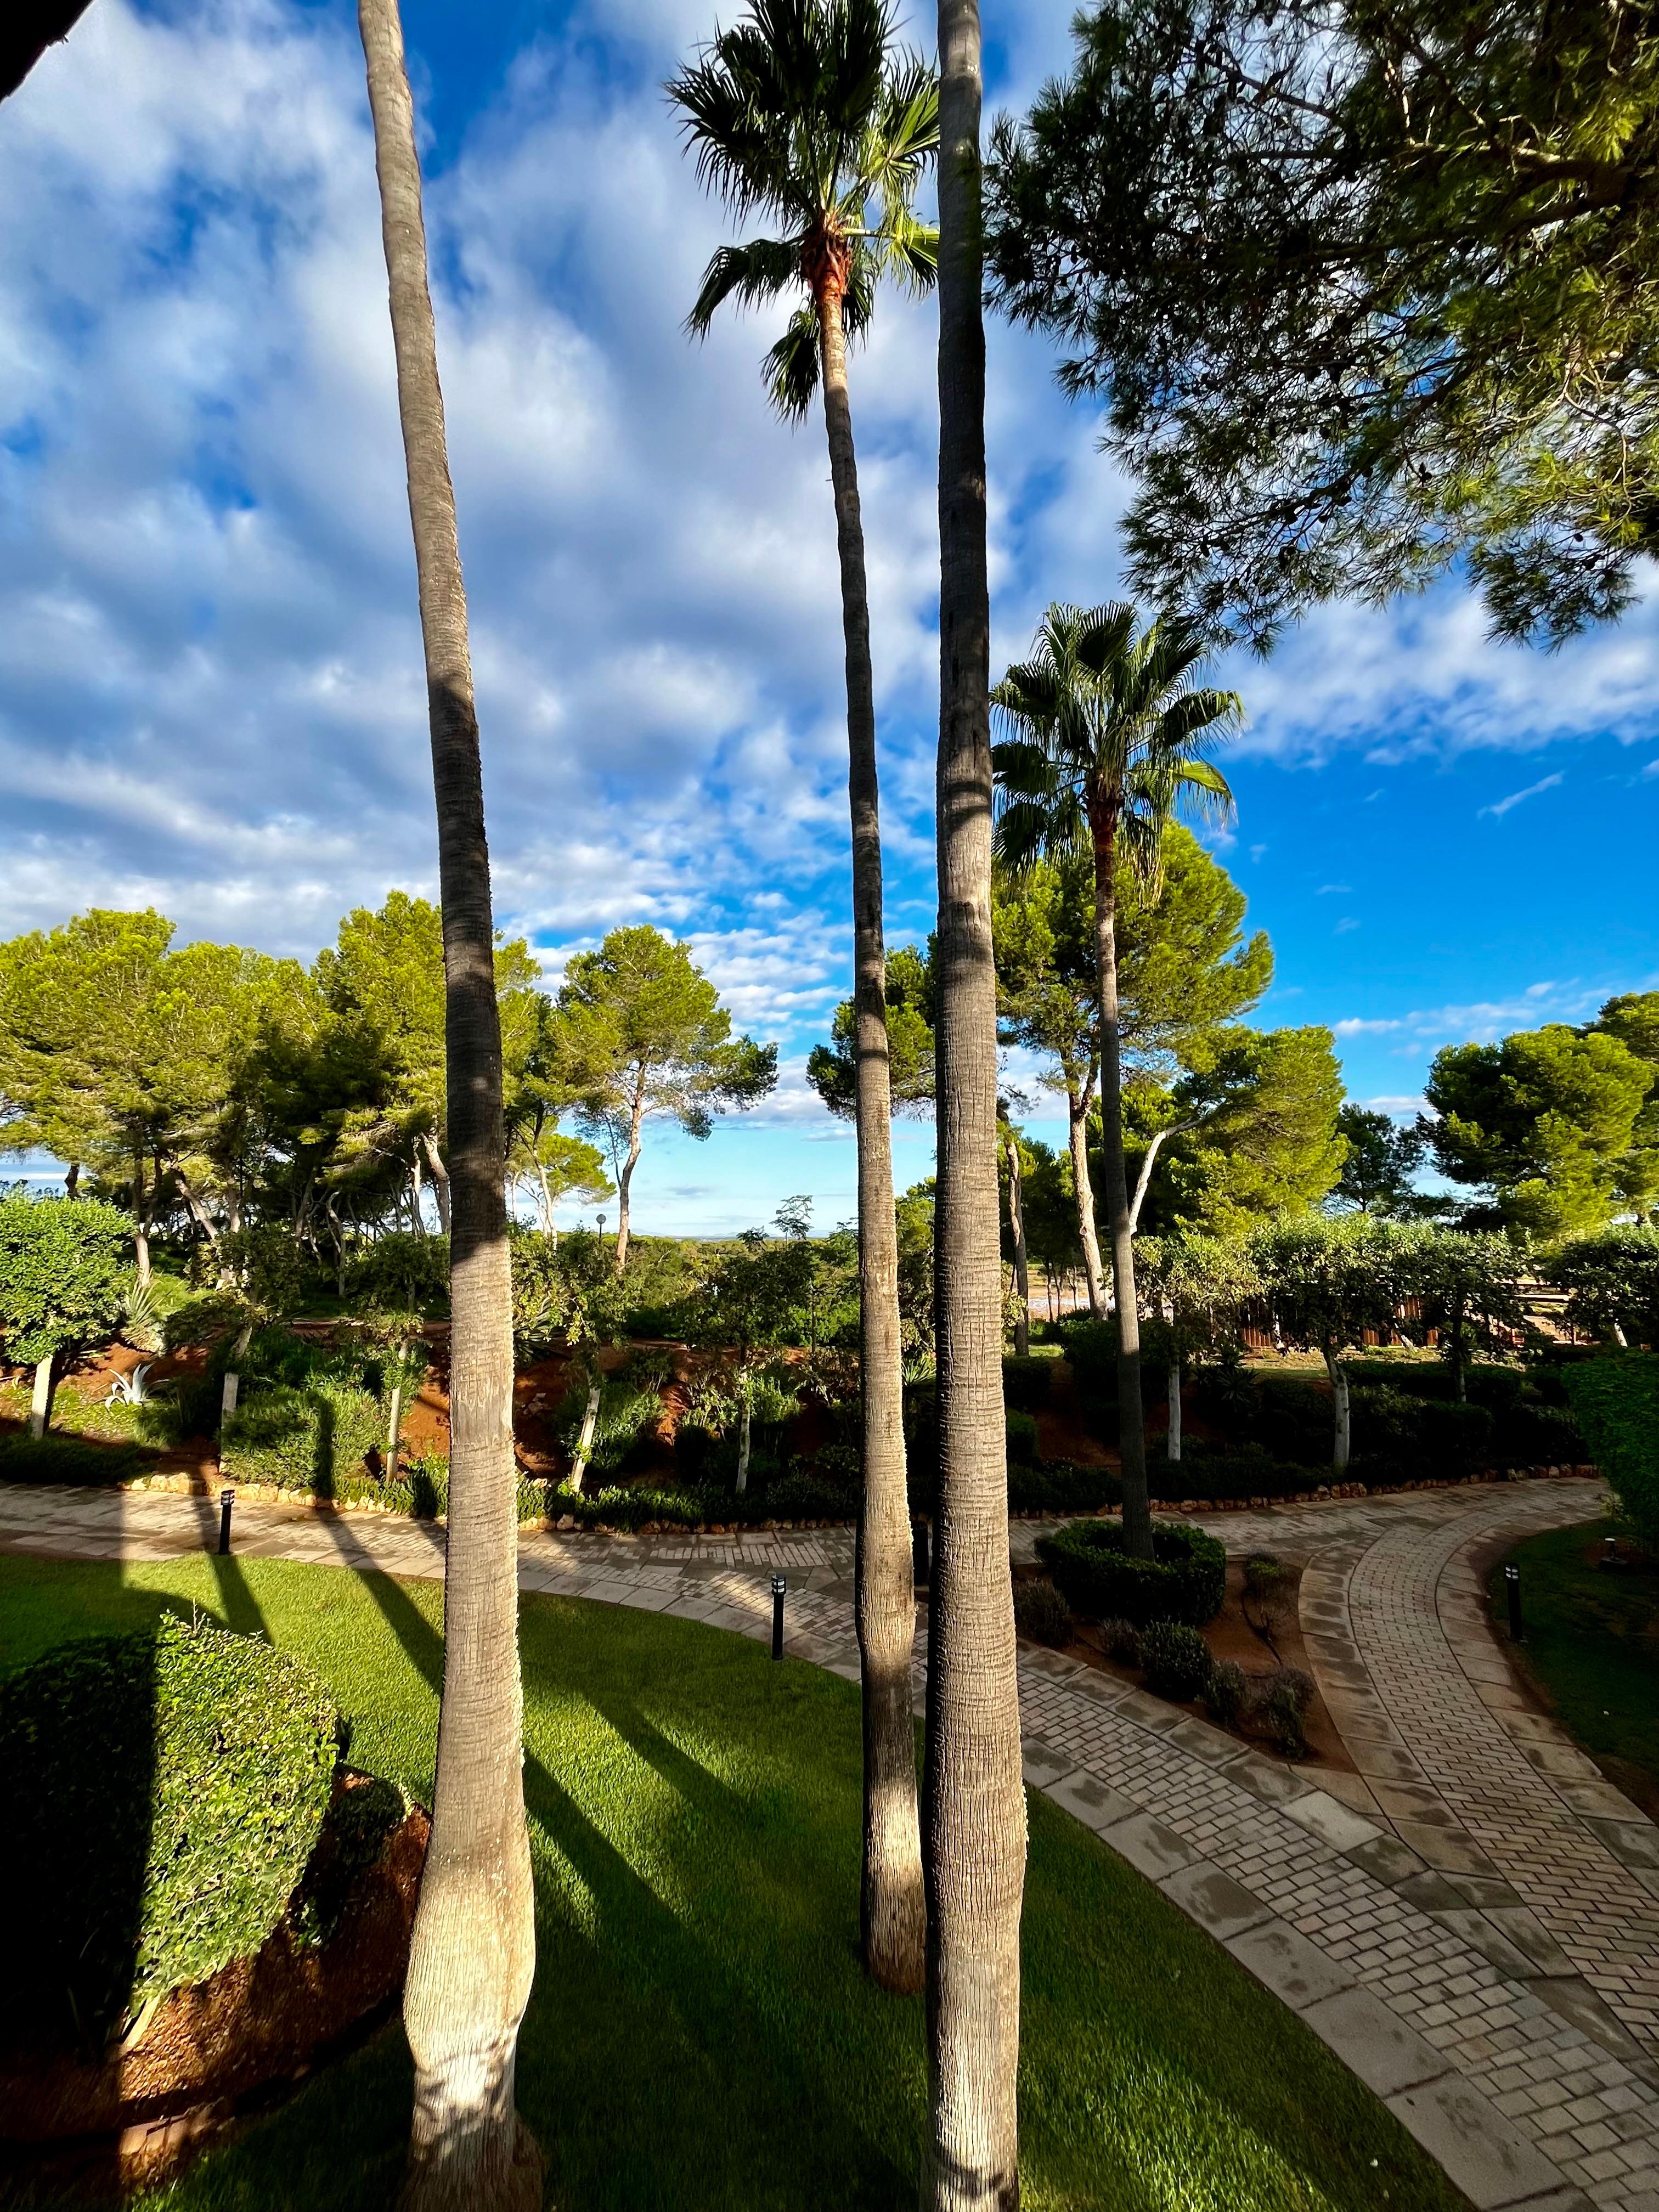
<point>800,112</point>
<point>1112,731</point>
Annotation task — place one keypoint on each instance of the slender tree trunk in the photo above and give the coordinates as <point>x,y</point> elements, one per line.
<point>1076,1110</point>
<point>974,1820</point>
<point>474,1948</point>
<point>1338,1374</point>
<point>1175,1406</point>
<point>140,1217</point>
<point>1460,1381</point>
<point>40,1399</point>
<point>1016,1230</point>
<point>590,1422</point>
<point>1130,1414</point>
<point>744,1429</point>
<point>624,1180</point>
<point>894,1909</point>
<point>441,1183</point>
<point>417,1190</point>
<point>71,1181</point>
<point>549,1226</point>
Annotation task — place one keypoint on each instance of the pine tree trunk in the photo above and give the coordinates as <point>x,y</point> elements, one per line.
<point>1339,1447</point>
<point>71,1181</point>
<point>974,1816</point>
<point>1083,1192</point>
<point>744,1427</point>
<point>1175,1408</point>
<point>140,1218</point>
<point>894,1911</point>
<point>473,1953</point>
<point>1130,1414</point>
<point>440,1179</point>
<point>625,1183</point>
<point>1022,1269</point>
<point>40,1398</point>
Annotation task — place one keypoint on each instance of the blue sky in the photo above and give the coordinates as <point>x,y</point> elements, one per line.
<point>211,694</point>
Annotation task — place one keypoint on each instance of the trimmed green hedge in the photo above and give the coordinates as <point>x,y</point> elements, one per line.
<point>71,1459</point>
<point>1028,1383</point>
<point>164,1791</point>
<point>1185,1580</point>
<point>304,1437</point>
<point>1617,1402</point>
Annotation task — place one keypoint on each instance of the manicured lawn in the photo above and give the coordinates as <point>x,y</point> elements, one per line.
<point>1592,1639</point>
<point>701,2035</point>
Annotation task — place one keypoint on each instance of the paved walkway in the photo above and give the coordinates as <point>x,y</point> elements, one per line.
<point>1445,1988</point>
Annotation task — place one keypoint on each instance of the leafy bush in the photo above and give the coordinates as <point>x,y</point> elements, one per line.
<point>165,1790</point>
<point>1617,1402</point>
<point>1535,1433</point>
<point>1282,1699</point>
<point>803,1497</point>
<point>1059,1486</point>
<point>1121,1640</point>
<point>1022,1438</point>
<point>1226,1693</point>
<point>1177,1659</point>
<point>1421,1435</point>
<point>625,1412</point>
<point>1027,1383</point>
<point>1091,1348</point>
<point>303,1438</point>
<point>71,1460</point>
<point>402,1270</point>
<point>1042,1613</point>
<point>1242,1471</point>
<point>64,1272</point>
<point>1185,1580</point>
<point>1485,1382</point>
<point>1264,1576</point>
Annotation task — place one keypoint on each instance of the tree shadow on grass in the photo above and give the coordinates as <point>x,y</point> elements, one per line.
<point>237,1607</point>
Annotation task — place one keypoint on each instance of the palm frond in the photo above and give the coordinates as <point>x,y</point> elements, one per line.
<point>790,370</point>
<point>751,274</point>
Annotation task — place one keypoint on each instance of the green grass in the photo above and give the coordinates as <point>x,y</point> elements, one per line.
<point>701,2034</point>
<point>1592,1639</point>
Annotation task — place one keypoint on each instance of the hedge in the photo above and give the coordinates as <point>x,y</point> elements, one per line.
<point>1617,1402</point>
<point>1027,1383</point>
<point>1185,1580</point>
<point>165,1790</point>
<point>71,1459</point>
<point>305,1436</point>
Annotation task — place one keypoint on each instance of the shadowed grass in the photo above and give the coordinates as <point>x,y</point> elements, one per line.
<point>701,2035</point>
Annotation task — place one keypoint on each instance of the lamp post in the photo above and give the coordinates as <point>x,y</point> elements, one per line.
<point>1512,1590</point>
<point>780,1585</point>
<point>226,1499</point>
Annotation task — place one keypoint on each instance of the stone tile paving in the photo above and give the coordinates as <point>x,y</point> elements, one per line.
<point>1478,2048</point>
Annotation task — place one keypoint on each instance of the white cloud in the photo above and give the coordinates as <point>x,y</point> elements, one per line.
<point>1500,808</point>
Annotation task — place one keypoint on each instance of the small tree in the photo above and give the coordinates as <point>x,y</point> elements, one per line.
<point>1612,1283</point>
<point>64,1272</point>
<point>1194,1290</point>
<point>756,1300</point>
<point>642,1035</point>
<point>1467,1286</point>
<point>1382,1162</point>
<point>1327,1283</point>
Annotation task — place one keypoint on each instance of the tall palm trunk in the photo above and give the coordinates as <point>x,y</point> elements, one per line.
<point>473,1953</point>
<point>974,1824</point>
<point>1022,1267</point>
<point>894,1910</point>
<point>1130,1414</point>
<point>1083,1190</point>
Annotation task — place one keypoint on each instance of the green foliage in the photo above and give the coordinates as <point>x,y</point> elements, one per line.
<point>1194,1292</point>
<point>72,1459</point>
<point>1544,1123</point>
<point>400,1270</point>
<point>1368,291</point>
<point>1177,1659</point>
<point>1612,1283</point>
<point>1026,1383</point>
<point>1616,1401</point>
<point>1185,1580</point>
<point>166,1789</point>
<point>63,1273</point>
<point>1252,1131</point>
<point>1022,1437</point>
<point>1226,1693</point>
<point>1058,1486</point>
<point>626,1412</point>
<point>305,1436</point>
<point>1380,1166</point>
<point>831,1069</point>
<point>1042,1613</point>
<point>1329,1281</point>
<point>1282,1699</point>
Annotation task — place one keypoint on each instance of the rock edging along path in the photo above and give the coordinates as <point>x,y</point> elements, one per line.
<point>1328,1909</point>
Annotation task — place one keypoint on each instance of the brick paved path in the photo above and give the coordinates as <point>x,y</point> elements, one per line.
<point>1505,2065</point>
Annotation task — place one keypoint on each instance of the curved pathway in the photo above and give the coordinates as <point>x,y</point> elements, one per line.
<point>1523,2103</point>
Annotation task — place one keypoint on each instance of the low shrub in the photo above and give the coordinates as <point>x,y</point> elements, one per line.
<point>805,1496</point>
<point>1265,1576</point>
<point>1617,1403</point>
<point>1281,1701</point>
<point>1022,1438</point>
<point>1121,1640</point>
<point>165,1790</point>
<point>1536,1432</point>
<point>626,1411</point>
<point>1091,1348</point>
<point>304,1437</point>
<point>1242,1471</point>
<point>1027,1383</point>
<point>1227,1692</point>
<point>1042,1613</point>
<point>1185,1579</point>
<point>1176,1660</point>
<point>71,1460</point>
<point>1059,1486</point>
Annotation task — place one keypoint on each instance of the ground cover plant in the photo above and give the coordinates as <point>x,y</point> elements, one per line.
<point>701,2033</point>
<point>1592,1641</point>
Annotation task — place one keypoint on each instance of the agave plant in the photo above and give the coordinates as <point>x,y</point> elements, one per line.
<point>141,1324</point>
<point>131,1389</point>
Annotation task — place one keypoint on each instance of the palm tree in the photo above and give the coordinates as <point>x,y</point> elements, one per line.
<point>974,1817</point>
<point>806,112</point>
<point>474,1949</point>
<point>1112,731</point>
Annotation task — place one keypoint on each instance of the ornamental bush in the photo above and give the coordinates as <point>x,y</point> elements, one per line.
<point>310,1436</point>
<point>1027,1383</point>
<point>1185,1579</point>
<point>1617,1402</point>
<point>164,1791</point>
<point>1042,1613</point>
<point>1177,1659</point>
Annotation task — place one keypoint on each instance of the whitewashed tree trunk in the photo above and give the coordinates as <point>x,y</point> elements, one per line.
<point>40,1400</point>
<point>590,1422</point>
<point>1175,1407</point>
<point>1334,1369</point>
<point>743,1425</point>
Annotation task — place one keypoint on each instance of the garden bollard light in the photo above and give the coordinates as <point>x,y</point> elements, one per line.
<point>780,1584</point>
<point>921,1545</point>
<point>226,1499</point>
<point>1512,1585</point>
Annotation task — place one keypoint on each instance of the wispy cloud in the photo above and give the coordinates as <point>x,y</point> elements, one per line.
<point>1325,890</point>
<point>1348,922</point>
<point>1500,808</point>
